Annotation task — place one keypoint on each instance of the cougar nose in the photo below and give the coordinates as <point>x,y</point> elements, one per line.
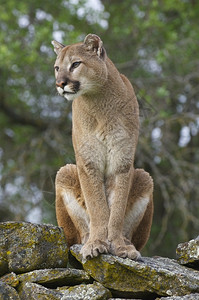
<point>61,83</point>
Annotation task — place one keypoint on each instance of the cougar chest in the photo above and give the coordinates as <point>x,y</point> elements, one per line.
<point>115,145</point>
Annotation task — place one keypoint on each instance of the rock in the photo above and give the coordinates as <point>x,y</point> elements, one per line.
<point>40,253</point>
<point>94,291</point>
<point>160,276</point>
<point>33,291</point>
<point>187,297</point>
<point>56,277</point>
<point>3,264</point>
<point>8,292</point>
<point>26,247</point>
<point>10,279</point>
<point>3,254</point>
<point>188,253</point>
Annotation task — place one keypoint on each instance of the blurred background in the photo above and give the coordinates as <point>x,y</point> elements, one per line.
<point>155,44</point>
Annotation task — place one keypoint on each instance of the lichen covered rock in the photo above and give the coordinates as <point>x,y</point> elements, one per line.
<point>3,254</point>
<point>188,253</point>
<point>25,247</point>
<point>162,276</point>
<point>3,261</point>
<point>8,292</point>
<point>33,291</point>
<point>55,277</point>
<point>10,279</point>
<point>34,260</point>
<point>94,291</point>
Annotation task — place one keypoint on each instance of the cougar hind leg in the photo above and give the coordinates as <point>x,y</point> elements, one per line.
<point>142,233</point>
<point>139,211</point>
<point>71,212</point>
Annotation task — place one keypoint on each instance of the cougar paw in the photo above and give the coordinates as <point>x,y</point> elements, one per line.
<point>93,249</point>
<point>132,253</point>
<point>124,251</point>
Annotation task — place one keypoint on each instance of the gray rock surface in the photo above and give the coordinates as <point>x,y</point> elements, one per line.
<point>95,291</point>
<point>162,276</point>
<point>25,247</point>
<point>10,279</point>
<point>7,292</point>
<point>188,253</point>
<point>55,277</point>
<point>34,264</point>
<point>34,291</point>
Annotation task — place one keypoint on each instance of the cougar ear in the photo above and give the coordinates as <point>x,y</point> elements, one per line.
<point>57,46</point>
<point>95,44</point>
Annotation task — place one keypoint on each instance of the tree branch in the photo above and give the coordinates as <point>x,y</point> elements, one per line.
<point>23,119</point>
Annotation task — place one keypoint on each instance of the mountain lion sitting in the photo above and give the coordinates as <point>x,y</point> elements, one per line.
<point>102,201</point>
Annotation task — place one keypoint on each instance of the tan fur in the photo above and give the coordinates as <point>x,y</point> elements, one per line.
<point>102,201</point>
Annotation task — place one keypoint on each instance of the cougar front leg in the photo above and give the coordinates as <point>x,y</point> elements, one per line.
<point>92,185</point>
<point>118,245</point>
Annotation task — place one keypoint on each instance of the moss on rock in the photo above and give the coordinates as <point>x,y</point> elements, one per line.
<point>33,291</point>
<point>188,253</point>
<point>10,279</point>
<point>161,276</point>
<point>56,277</point>
<point>95,291</point>
<point>26,247</point>
<point>3,262</point>
<point>8,292</point>
<point>40,253</point>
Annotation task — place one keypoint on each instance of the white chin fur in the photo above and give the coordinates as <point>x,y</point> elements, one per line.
<point>70,97</point>
<point>60,91</point>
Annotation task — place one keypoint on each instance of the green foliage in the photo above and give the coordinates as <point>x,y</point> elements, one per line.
<point>154,44</point>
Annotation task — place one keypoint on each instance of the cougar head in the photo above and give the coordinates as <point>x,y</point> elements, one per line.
<point>80,69</point>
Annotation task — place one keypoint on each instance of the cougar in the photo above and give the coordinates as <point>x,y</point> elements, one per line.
<point>102,202</point>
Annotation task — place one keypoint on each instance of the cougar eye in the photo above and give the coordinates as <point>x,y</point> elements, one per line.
<point>75,65</point>
<point>56,68</point>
